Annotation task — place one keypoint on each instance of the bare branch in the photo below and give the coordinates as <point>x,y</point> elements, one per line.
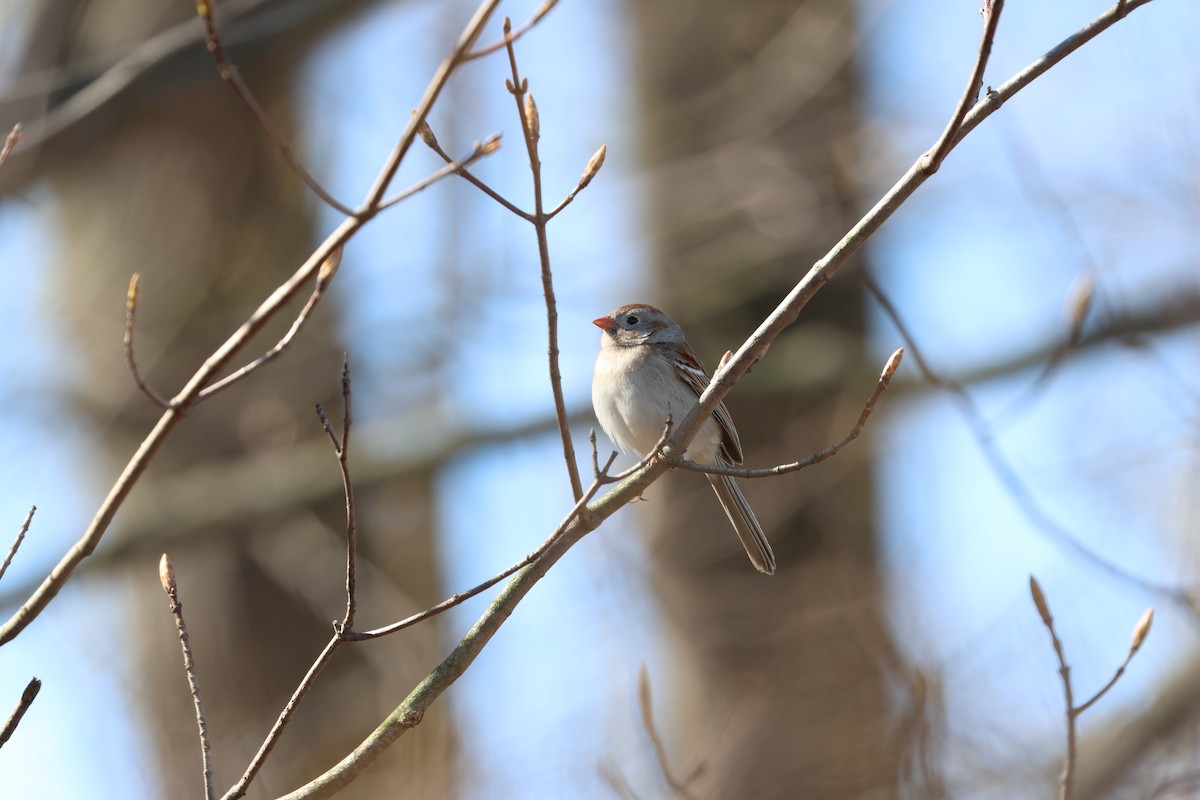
<point>510,37</point>
<point>285,716</point>
<point>527,112</point>
<point>468,37</point>
<point>647,459</point>
<point>934,157</point>
<point>660,749</point>
<point>484,148</point>
<point>230,75</point>
<point>1140,631</point>
<point>1067,779</point>
<point>14,719</point>
<point>166,575</point>
<point>10,141</point>
<point>131,299</point>
<point>824,269</point>
<point>589,172</point>
<point>579,508</point>
<point>329,268</point>
<point>20,537</point>
<point>431,142</point>
<point>342,451</point>
<point>885,378</point>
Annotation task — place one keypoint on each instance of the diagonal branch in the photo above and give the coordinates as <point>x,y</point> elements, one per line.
<point>824,269</point>
<point>237,341</point>
<point>12,550</point>
<point>14,719</point>
<point>934,157</point>
<point>885,378</point>
<point>230,75</point>
<point>510,37</point>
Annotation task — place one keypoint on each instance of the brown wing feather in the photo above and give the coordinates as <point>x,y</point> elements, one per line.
<point>696,376</point>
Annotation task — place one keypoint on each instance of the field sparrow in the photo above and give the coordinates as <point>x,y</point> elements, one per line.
<point>645,373</point>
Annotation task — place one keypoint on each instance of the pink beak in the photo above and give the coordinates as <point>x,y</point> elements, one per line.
<point>604,323</point>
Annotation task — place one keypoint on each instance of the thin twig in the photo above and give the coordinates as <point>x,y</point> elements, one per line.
<point>10,141</point>
<point>166,575</point>
<point>660,749</point>
<point>230,75</point>
<point>484,148</point>
<point>934,157</point>
<point>654,454</point>
<point>457,599</point>
<point>469,36</point>
<point>131,299</point>
<point>1141,630</point>
<point>285,716</point>
<point>589,172</point>
<point>430,140</point>
<point>885,378</point>
<point>20,537</point>
<point>530,127</point>
<point>342,450</point>
<point>329,268</point>
<point>510,37</point>
<point>14,719</point>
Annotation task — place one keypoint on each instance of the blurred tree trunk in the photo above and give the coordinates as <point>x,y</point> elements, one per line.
<point>176,181</point>
<point>746,110</point>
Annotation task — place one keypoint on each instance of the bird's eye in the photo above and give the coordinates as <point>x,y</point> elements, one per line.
<point>631,320</point>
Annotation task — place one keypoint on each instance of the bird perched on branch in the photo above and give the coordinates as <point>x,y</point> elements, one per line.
<point>647,373</point>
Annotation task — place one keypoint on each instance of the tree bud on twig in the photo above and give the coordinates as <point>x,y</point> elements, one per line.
<point>489,145</point>
<point>1079,300</point>
<point>329,266</point>
<point>426,133</point>
<point>532,119</point>
<point>1141,630</point>
<point>1039,600</point>
<point>593,166</point>
<point>166,575</point>
<point>131,297</point>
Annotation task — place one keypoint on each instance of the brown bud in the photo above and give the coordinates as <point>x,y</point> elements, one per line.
<point>507,25</point>
<point>131,297</point>
<point>166,574</point>
<point>426,133</point>
<point>329,266</point>
<point>893,364</point>
<point>593,166</point>
<point>725,359</point>
<point>1141,630</point>
<point>489,145</point>
<point>1079,300</point>
<point>532,119</point>
<point>1039,600</point>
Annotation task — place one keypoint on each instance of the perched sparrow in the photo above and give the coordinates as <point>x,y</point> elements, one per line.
<point>645,373</point>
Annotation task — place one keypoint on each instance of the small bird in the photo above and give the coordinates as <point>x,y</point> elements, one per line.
<point>645,373</point>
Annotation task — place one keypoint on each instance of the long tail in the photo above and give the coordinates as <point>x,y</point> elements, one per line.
<point>744,522</point>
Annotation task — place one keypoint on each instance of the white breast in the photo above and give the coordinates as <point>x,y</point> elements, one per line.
<point>635,390</point>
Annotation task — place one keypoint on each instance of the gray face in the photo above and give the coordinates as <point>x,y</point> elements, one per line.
<point>639,324</point>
